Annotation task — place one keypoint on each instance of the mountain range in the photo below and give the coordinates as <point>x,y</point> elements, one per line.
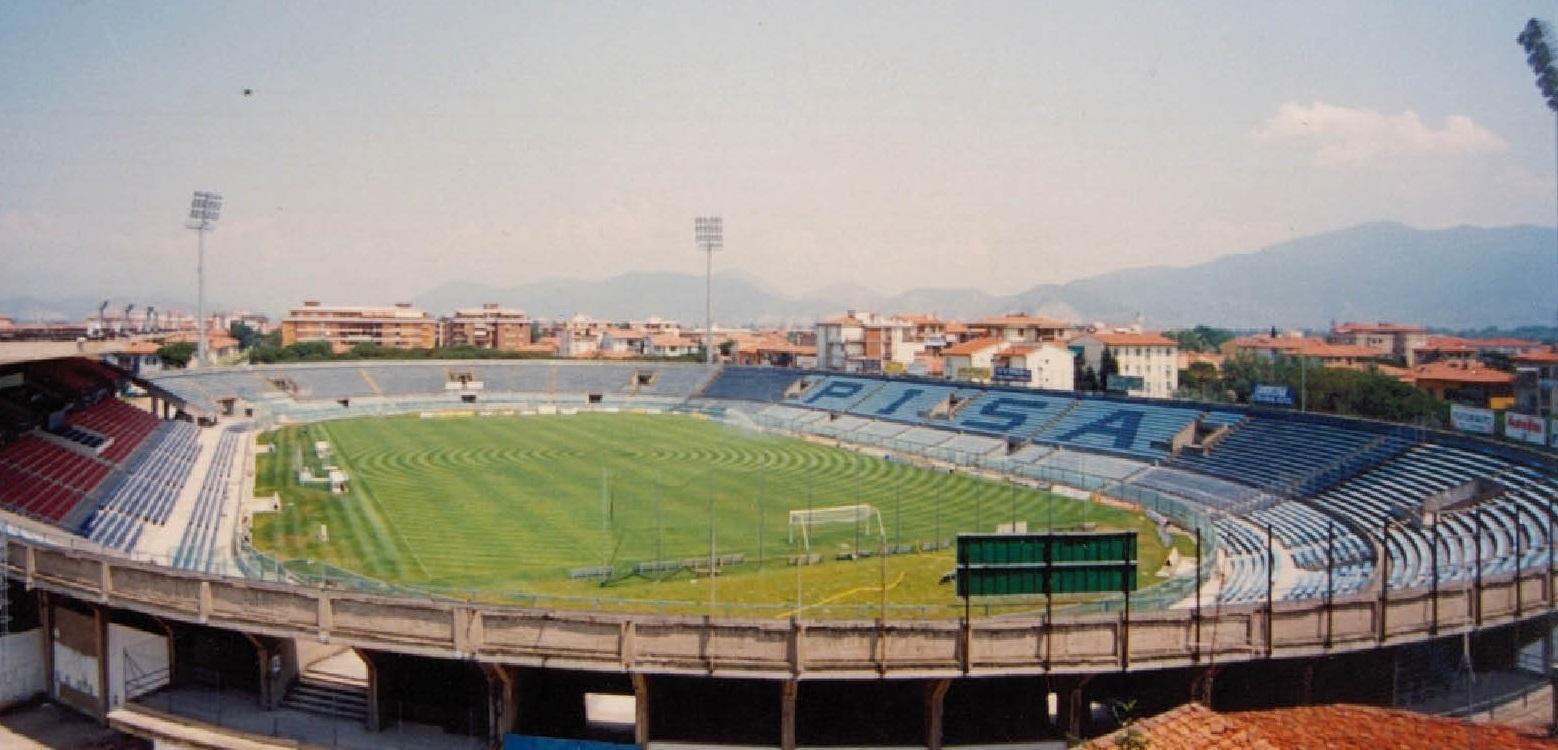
<point>1462,277</point>
<point>1456,278</point>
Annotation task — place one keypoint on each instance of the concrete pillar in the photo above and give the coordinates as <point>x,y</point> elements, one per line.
<point>935,712</point>
<point>1202,685</point>
<point>374,721</point>
<point>502,701</point>
<point>787,693</point>
<point>46,619</point>
<point>1071,708</point>
<point>273,676</point>
<point>100,634</point>
<point>173,650</point>
<point>640,709</point>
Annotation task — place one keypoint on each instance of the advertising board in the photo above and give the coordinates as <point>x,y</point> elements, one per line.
<point>1469,419</point>
<point>1525,427</point>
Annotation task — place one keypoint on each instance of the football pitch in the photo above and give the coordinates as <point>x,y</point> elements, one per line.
<point>496,507</point>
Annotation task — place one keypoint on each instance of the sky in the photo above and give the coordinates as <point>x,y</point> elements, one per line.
<point>390,147</point>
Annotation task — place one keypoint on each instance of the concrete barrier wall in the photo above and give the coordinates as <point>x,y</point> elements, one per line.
<point>667,644</point>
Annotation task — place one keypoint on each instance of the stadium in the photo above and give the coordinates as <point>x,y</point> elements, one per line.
<point>745,556</point>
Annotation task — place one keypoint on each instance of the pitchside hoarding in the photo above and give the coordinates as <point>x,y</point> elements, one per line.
<point>1061,562</point>
<point>1272,395</point>
<point>1525,427</point>
<point>1468,419</point>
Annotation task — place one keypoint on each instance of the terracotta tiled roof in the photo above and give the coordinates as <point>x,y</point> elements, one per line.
<point>1336,727</point>
<point>956,327</point>
<point>624,334</point>
<point>973,345</point>
<point>1186,359</point>
<point>1189,727</point>
<point>1347,727</point>
<point>1503,341</point>
<point>1306,346</point>
<point>668,340</point>
<point>1019,321</point>
<point>1545,358</point>
<point>1461,372</point>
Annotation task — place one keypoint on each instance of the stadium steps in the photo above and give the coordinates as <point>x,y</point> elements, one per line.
<point>1052,421</point>
<point>708,380</point>
<point>325,696</point>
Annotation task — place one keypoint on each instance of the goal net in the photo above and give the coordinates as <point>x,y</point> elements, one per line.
<point>865,514</point>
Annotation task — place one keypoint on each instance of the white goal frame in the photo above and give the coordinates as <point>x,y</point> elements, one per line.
<point>804,519</point>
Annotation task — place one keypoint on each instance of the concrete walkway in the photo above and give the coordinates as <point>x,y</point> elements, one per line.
<point>241,712</point>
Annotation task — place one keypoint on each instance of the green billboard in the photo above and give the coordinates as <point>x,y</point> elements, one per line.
<point>1061,562</point>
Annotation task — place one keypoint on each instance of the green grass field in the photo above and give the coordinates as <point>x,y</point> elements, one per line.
<point>489,507</point>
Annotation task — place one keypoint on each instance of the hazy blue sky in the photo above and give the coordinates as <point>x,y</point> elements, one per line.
<point>389,147</point>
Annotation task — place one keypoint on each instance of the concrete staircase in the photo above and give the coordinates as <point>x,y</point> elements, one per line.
<point>328,695</point>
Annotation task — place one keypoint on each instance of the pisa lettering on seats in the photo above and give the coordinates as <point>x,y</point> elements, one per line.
<point>1121,425</point>
<point>839,389</point>
<point>1008,414</point>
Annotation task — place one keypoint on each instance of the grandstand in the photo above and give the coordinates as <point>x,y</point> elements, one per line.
<point>1322,517</point>
<point>1325,488</point>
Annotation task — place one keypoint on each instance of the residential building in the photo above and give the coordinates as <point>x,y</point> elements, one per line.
<point>930,331</point>
<point>137,358</point>
<point>865,342</point>
<point>1019,328</point>
<point>972,360</point>
<point>672,345</point>
<point>656,325</point>
<point>1323,353</point>
<point>223,321</point>
<point>624,342</point>
<point>1048,365</point>
<point>1536,383</point>
<point>1466,382</point>
<point>218,343</point>
<point>771,350</point>
<point>1445,349</point>
<point>1146,364</point>
<point>1396,340</point>
<point>488,327</point>
<point>398,327</point>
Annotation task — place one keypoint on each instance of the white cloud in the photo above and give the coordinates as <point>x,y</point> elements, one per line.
<point>1345,135</point>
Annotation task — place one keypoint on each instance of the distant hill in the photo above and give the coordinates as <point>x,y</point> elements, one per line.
<point>1462,277</point>
<point>1459,278</point>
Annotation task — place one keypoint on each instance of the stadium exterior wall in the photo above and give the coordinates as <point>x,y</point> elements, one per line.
<point>782,649</point>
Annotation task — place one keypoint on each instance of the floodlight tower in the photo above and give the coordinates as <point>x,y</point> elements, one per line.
<point>709,232</point>
<point>204,209</point>
<point>1537,40</point>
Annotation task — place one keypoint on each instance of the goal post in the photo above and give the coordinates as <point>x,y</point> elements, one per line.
<point>802,521</point>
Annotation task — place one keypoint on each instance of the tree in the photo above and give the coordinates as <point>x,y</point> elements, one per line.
<point>1106,366</point>
<point>1202,338</point>
<point>1088,380</point>
<point>177,354</point>
<point>247,337</point>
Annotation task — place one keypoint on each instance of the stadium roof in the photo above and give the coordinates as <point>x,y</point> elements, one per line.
<point>1335,727</point>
